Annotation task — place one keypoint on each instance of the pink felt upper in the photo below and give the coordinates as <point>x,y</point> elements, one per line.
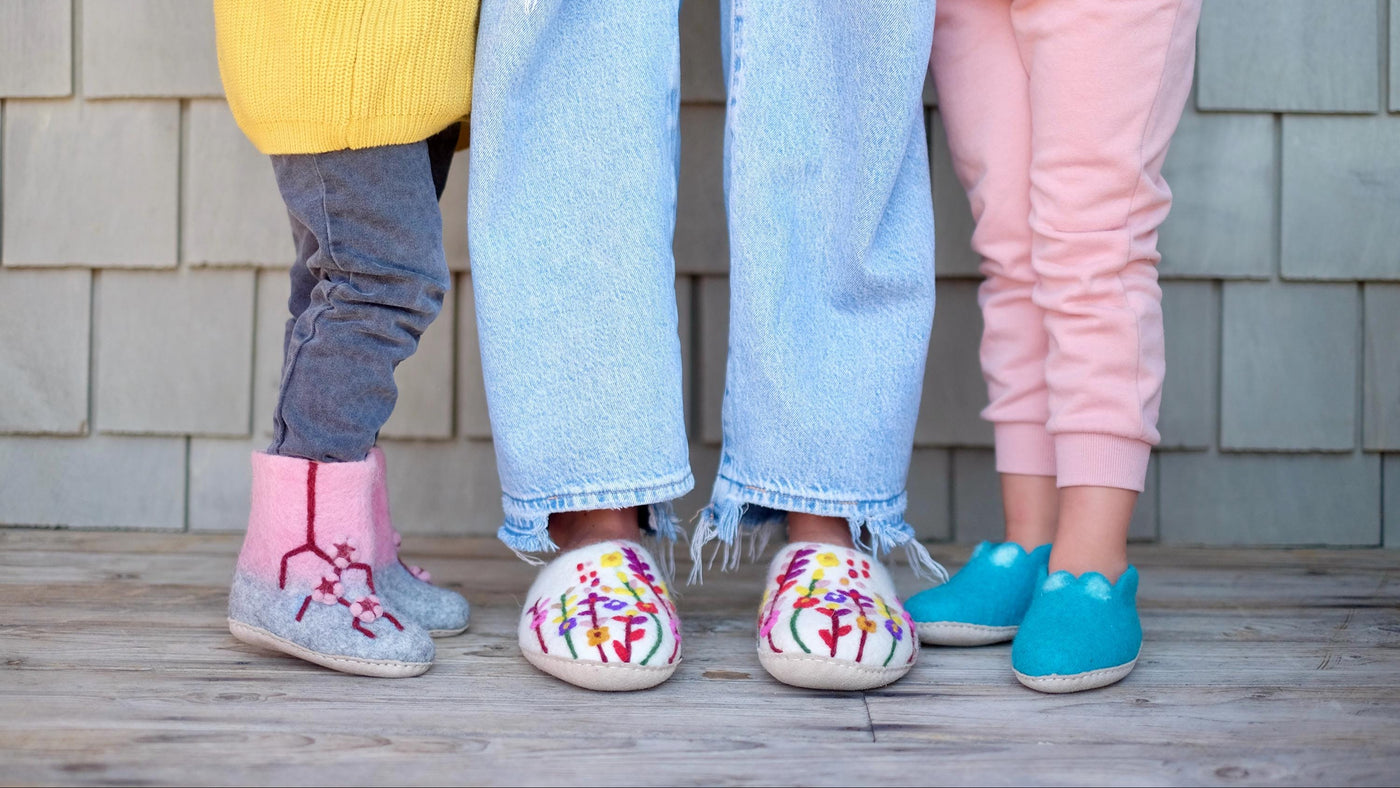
<point>322,512</point>
<point>386,541</point>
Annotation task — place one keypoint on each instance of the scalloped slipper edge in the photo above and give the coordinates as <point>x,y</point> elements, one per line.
<point>813,671</point>
<point>1056,684</point>
<point>602,676</point>
<point>959,633</point>
<point>377,668</point>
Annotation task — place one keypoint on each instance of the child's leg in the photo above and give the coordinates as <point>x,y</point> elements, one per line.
<point>370,277</point>
<point>380,278</point>
<point>572,212</point>
<point>831,302</point>
<point>440,611</point>
<point>983,94</point>
<point>1107,86</point>
<point>1108,83</point>
<point>441,147</point>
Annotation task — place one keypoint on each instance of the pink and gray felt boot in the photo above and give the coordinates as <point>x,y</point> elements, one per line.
<point>408,588</point>
<point>305,583</point>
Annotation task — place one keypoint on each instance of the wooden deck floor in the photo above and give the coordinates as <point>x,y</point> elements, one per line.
<point>1261,667</point>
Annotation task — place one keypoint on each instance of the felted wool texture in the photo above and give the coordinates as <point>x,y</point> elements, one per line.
<point>993,589</point>
<point>435,609</point>
<point>1079,624</point>
<point>834,602</point>
<point>303,573</point>
<point>297,503</point>
<point>605,604</point>
<point>325,628</point>
<point>408,588</point>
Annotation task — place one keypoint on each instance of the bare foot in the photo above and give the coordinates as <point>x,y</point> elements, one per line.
<point>1032,507</point>
<point>803,527</point>
<point>1093,531</point>
<point>572,530</point>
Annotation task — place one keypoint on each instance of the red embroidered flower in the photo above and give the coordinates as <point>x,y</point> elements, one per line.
<point>344,552</point>
<point>805,602</point>
<point>329,591</point>
<point>367,609</point>
<point>538,614</point>
<point>646,607</point>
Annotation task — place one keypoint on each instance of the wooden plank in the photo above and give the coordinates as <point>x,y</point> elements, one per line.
<point>1260,666</point>
<point>236,756</point>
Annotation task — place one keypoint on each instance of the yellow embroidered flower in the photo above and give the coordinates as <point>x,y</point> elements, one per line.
<point>828,559</point>
<point>865,624</point>
<point>598,636</point>
<point>611,559</point>
<point>884,609</point>
<point>818,575</point>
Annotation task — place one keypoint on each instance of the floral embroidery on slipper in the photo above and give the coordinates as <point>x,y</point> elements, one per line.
<point>836,603</point>
<point>603,604</point>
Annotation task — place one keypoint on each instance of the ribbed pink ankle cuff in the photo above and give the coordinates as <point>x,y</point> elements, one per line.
<point>1024,448</point>
<point>1086,459</point>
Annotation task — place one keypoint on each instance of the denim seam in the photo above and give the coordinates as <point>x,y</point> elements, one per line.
<point>294,348</point>
<point>889,501</point>
<point>687,476</point>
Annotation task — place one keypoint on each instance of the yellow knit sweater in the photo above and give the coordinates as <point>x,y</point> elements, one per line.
<point>310,76</point>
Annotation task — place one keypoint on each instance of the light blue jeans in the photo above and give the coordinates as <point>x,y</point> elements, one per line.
<point>574,165</point>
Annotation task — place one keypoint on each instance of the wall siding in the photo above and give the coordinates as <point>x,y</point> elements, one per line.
<point>132,398</point>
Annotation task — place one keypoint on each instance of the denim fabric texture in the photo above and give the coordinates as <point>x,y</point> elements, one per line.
<point>572,211</point>
<point>572,206</point>
<point>369,278</point>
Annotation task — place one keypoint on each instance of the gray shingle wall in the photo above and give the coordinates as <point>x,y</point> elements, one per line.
<point>143,290</point>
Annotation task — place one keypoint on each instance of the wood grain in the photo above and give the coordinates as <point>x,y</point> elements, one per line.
<point>1261,667</point>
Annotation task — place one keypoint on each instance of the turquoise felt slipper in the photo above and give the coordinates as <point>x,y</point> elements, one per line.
<point>1080,633</point>
<point>985,601</point>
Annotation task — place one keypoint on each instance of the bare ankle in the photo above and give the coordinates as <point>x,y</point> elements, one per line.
<point>803,527</point>
<point>1093,531</point>
<point>1031,505</point>
<point>572,530</point>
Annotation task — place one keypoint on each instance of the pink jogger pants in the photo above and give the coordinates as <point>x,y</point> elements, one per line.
<point>1058,114</point>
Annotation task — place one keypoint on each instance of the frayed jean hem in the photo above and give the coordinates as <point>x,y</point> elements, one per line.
<point>740,510</point>
<point>526,526</point>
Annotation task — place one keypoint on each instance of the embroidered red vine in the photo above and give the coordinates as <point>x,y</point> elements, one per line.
<point>331,589</point>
